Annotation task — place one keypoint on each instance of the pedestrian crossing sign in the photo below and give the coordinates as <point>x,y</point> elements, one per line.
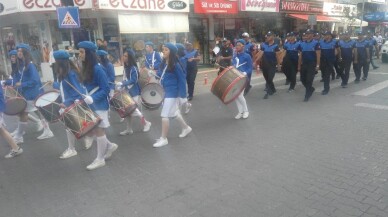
<point>68,17</point>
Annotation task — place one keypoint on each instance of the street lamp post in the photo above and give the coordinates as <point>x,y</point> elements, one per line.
<point>362,14</point>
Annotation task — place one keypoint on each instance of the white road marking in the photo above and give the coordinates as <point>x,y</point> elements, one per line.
<point>372,89</point>
<point>373,106</point>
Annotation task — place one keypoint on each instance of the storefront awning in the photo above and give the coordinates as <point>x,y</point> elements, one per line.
<point>153,23</point>
<point>320,18</point>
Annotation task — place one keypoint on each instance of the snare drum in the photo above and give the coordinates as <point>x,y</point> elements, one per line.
<point>123,103</point>
<point>229,84</point>
<point>152,95</point>
<point>48,105</point>
<point>80,119</point>
<point>14,101</point>
<point>144,79</point>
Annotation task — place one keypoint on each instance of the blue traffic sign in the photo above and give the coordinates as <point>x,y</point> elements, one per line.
<point>68,17</point>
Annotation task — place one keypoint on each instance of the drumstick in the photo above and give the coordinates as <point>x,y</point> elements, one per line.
<point>74,88</point>
<point>44,85</point>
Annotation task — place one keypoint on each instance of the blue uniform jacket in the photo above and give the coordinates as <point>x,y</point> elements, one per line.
<point>30,82</point>
<point>292,50</point>
<point>155,62</point>
<point>361,47</point>
<point>2,101</point>
<point>346,49</point>
<point>270,51</point>
<point>328,49</point>
<point>183,61</point>
<point>110,73</point>
<point>70,95</point>
<point>248,48</point>
<point>132,78</point>
<point>173,82</point>
<point>100,97</point>
<point>308,49</point>
<point>243,62</point>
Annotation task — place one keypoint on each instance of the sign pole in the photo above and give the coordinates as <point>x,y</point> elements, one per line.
<point>362,14</point>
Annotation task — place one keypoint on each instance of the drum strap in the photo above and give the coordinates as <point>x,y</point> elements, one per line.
<point>93,91</point>
<point>164,71</point>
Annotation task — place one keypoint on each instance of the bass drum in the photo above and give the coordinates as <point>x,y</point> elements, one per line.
<point>152,95</point>
<point>229,84</point>
<point>48,105</point>
<point>14,101</point>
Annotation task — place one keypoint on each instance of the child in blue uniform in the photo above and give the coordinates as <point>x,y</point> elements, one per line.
<point>27,82</point>
<point>97,88</point>
<point>109,69</point>
<point>184,104</point>
<point>15,149</point>
<point>67,75</point>
<point>173,80</point>
<point>130,82</point>
<point>152,58</point>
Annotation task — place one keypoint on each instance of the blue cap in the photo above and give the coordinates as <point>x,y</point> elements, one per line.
<point>309,31</point>
<point>173,49</point>
<point>61,55</point>
<point>130,52</point>
<point>270,33</point>
<point>149,43</point>
<point>24,46</point>
<point>101,53</point>
<point>87,45</point>
<point>326,33</point>
<point>180,46</point>
<point>12,53</point>
<point>242,41</point>
<point>290,34</point>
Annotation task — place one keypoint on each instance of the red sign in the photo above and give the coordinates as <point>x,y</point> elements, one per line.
<point>301,7</point>
<point>215,7</point>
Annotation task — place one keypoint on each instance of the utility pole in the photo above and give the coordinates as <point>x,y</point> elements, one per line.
<point>362,14</point>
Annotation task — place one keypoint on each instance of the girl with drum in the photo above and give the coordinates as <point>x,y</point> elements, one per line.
<point>13,56</point>
<point>242,62</point>
<point>173,80</point>
<point>27,82</point>
<point>15,149</point>
<point>130,82</point>
<point>109,69</point>
<point>70,89</point>
<point>97,88</point>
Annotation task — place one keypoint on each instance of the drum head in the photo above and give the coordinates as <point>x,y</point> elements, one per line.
<point>152,94</point>
<point>46,98</point>
<point>14,106</point>
<point>234,89</point>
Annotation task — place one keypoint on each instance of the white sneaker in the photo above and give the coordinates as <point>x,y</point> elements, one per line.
<point>110,151</point>
<point>185,132</point>
<point>18,140</point>
<point>68,153</point>
<point>126,132</point>
<point>188,107</point>
<point>122,119</point>
<point>160,142</point>
<point>147,126</point>
<point>245,115</point>
<point>96,164</point>
<point>88,142</point>
<point>238,116</point>
<point>46,134</point>
<point>39,126</point>
<point>14,153</point>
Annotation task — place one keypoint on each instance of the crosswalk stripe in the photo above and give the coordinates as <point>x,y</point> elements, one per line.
<point>372,89</point>
<point>373,106</point>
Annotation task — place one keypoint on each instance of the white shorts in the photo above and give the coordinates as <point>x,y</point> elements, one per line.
<point>30,106</point>
<point>1,120</point>
<point>104,119</point>
<point>170,108</point>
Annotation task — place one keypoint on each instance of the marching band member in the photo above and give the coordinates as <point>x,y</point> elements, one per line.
<point>67,79</point>
<point>130,81</point>
<point>15,149</point>
<point>290,60</point>
<point>109,69</point>
<point>328,57</point>
<point>27,82</point>
<point>96,83</point>
<point>153,58</point>
<point>243,62</point>
<point>362,57</point>
<point>184,104</point>
<point>346,47</point>
<point>193,58</point>
<point>173,81</point>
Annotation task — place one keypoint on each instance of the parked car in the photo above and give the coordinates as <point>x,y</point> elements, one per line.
<point>384,52</point>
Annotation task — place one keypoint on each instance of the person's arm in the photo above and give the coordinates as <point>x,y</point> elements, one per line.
<point>133,78</point>
<point>377,50</point>
<point>182,91</point>
<point>33,74</point>
<point>102,81</point>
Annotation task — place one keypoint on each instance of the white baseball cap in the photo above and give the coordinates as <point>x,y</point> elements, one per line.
<point>245,34</point>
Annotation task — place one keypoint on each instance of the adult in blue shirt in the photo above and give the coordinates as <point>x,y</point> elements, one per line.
<point>346,50</point>
<point>309,61</point>
<point>67,80</point>
<point>328,57</point>
<point>290,60</point>
<point>172,78</point>
<point>270,59</point>
<point>185,105</point>
<point>373,46</point>
<point>193,58</point>
<point>97,88</point>
<point>131,84</point>
<point>242,62</point>
<point>361,57</point>
<point>152,58</point>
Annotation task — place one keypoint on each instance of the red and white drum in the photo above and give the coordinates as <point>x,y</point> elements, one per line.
<point>80,119</point>
<point>123,103</point>
<point>48,105</point>
<point>152,95</point>
<point>229,84</point>
<point>14,101</point>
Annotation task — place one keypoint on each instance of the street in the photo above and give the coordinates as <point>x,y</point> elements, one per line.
<point>325,157</point>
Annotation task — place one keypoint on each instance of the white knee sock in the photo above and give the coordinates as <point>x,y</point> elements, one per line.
<point>70,140</point>
<point>45,125</point>
<point>21,127</point>
<point>101,147</point>
<point>33,118</point>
